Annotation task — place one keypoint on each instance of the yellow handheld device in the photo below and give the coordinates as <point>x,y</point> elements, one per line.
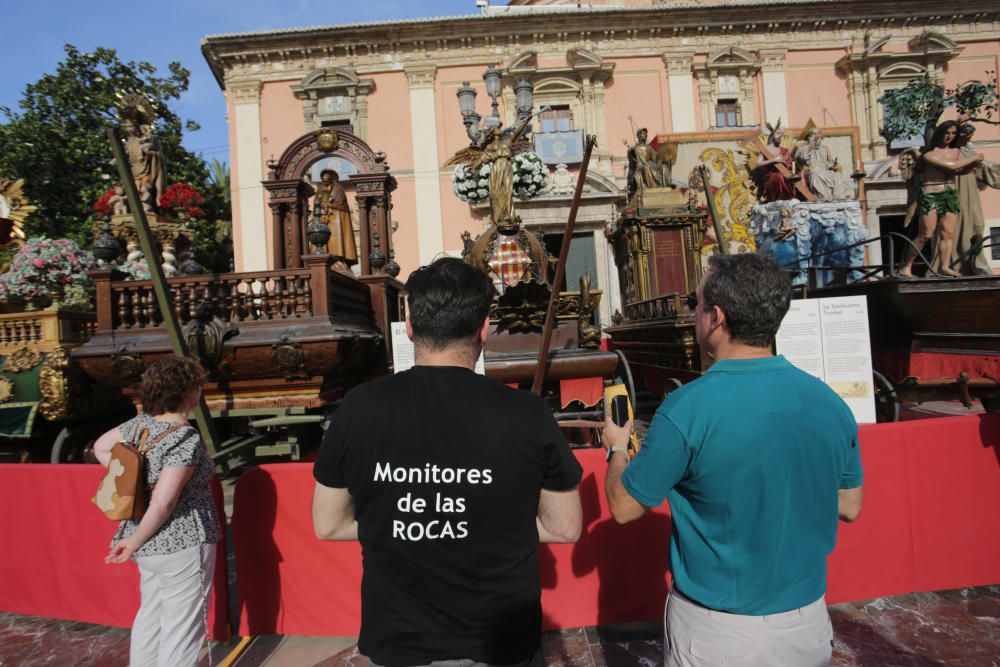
<point>616,401</point>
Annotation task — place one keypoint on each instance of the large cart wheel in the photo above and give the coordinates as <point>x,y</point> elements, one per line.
<point>886,399</point>
<point>71,448</point>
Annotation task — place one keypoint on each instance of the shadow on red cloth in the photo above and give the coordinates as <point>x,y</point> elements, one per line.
<point>258,584</point>
<point>632,557</point>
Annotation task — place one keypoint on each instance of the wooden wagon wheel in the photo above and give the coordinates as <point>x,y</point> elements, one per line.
<point>886,399</point>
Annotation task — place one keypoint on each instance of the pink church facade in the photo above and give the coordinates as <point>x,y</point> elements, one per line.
<point>673,67</point>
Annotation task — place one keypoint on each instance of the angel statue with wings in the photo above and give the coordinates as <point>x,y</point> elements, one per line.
<point>496,149</point>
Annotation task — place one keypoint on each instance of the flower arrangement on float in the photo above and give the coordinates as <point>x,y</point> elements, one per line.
<point>43,268</point>
<point>531,176</point>
<point>530,179</point>
<point>471,185</point>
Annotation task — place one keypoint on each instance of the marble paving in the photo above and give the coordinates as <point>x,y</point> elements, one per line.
<point>957,627</point>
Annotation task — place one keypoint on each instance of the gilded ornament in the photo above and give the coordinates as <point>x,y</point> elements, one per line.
<point>327,141</point>
<point>734,199</point>
<point>289,356</point>
<point>6,389</point>
<point>22,359</point>
<point>53,385</point>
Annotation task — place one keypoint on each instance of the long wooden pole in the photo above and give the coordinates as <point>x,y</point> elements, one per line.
<point>160,288</point>
<point>550,315</point>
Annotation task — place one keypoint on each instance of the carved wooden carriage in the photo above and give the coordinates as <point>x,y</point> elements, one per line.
<point>279,345</point>
<point>47,406</point>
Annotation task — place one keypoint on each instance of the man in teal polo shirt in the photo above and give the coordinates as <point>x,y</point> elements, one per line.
<point>757,460</point>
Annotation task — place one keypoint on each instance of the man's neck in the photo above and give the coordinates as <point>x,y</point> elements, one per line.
<point>731,350</point>
<point>459,356</point>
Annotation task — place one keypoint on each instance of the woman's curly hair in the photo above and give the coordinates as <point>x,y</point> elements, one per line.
<point>167,383</point>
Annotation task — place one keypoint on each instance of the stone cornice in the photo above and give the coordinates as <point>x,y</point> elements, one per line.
<point>624,32</point>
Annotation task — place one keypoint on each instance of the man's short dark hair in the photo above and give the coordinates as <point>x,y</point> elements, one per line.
<point>753,292</point>
<point>448,301</point>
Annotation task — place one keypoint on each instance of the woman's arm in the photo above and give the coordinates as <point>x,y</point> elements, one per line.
<point>166,493</point>
<point>104,444</point>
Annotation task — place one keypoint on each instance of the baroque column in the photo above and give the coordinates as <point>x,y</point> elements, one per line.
<point>426,165</point>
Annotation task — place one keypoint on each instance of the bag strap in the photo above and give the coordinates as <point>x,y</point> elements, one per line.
<point>155,441</point>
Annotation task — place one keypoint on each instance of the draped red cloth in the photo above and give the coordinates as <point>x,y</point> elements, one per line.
<point>932,365</point>
<point>931,488</point>
<point>53,541</point>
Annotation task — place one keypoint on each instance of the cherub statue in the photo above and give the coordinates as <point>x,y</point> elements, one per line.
<point>118,202</point>
<point>497,149</point>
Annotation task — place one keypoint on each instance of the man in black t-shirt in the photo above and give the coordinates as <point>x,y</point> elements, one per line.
<point>449,480</point>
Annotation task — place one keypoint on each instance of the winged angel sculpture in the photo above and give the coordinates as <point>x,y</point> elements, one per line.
<point>496,148</point>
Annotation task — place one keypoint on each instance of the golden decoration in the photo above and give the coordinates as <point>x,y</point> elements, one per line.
<point>14,208</point>
<point>22,359</point>
<point>53,385</point>
<point>327,141</point>
<point>6,389</point>
<point>734,199</point>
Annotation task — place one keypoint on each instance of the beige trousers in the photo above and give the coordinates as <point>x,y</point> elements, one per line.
<point>172,621</point>
<point>696,637</point>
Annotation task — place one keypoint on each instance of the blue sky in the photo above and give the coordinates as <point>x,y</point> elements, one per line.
<point>159,32</point>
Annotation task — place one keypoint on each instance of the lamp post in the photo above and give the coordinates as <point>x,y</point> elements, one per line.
<point>467,107</point>
<point>492,78</point>
<point>524,95</point>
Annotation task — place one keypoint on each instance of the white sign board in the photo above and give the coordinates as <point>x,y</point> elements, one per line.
<point>828,338</point>
<point>403,358</point>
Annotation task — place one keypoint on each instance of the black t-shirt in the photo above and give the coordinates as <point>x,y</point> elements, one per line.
<point>445,468</point>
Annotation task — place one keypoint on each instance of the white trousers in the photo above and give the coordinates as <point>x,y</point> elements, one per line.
<point>171,624</point>
<point>695,636</point>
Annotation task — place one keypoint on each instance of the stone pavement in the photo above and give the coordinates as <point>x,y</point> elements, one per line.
<point>958,627</point>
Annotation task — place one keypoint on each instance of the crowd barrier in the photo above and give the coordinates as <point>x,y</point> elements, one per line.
<point>53,541</point>
<point>929,523</point>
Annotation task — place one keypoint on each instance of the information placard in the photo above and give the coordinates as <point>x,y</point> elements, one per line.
<point>828,338</point>
<point>402,351</point>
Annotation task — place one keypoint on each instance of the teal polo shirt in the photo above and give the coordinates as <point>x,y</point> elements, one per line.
<point>750,457</point>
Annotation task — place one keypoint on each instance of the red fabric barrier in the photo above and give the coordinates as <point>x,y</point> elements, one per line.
<point>53,548</point>
<point>931,488</point>
<point>933,365</point>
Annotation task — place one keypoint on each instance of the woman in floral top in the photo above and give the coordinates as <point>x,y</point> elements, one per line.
<point>174,544</point>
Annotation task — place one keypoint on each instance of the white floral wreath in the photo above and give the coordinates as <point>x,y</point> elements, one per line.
<point>473,185</point>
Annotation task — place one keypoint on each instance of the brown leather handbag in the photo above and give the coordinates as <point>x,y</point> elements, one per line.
<point>122,493</point>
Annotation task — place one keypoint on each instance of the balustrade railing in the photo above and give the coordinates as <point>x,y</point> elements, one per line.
<point>235,298</point>
<point>45,327</point>
<point>659,307</point>
<point>281,294</point>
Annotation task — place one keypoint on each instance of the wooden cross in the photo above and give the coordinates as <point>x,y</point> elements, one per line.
<point>799,185</point>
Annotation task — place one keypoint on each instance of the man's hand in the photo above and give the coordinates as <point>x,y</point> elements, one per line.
<point>614,435</point>
<point>624,507</point>
<point>121,552</point>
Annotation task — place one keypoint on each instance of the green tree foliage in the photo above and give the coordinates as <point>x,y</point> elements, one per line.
<point>916,108</point>
<point>55,139</point>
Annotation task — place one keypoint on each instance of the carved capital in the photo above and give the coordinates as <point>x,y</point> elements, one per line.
<point>245,92</point>
<point>773,60</point>
<point>678,63</point>
<point>421,76</point>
